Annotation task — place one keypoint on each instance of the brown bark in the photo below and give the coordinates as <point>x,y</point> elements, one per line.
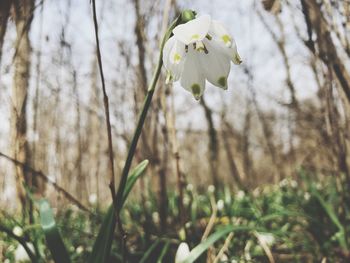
<point>230,157</point>
<point>316,22</point>
<point>213,143</point>
<point>4,15</point>
<point>23,16</point>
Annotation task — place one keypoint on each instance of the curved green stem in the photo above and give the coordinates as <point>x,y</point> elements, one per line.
<point>142,118</point>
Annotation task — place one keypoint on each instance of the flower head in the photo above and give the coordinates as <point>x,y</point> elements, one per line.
<point>200,50</point>
<point>182,252</point>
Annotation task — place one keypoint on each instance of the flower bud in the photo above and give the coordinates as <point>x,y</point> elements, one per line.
<point>182,252</point>
<point>187,15</point>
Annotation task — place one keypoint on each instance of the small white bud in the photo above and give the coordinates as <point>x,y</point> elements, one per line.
<point>186,200</point>
<point>18,231</point>
<point>267,238</point>
<point>220,204</point>
<point>182,252</point>
<point>240,195</point>
<point>283,183</point>
<point>79,249</point>
<point>294,184</point>
<point>93,199</point>
<point>155,217</point>
<point>307,196</point>
<point>21,253</point>
<point>211,188</point>
<point>189,187</point>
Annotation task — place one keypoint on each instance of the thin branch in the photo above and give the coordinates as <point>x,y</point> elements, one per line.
<point>106,104</point>
<point>48,180</point>
<point>20,240</point>
<point>109,133</point>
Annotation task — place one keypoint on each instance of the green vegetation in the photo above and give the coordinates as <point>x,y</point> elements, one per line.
<point>290,222</point>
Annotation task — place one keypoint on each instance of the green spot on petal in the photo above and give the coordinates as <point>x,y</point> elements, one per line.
<point>196,90</point>
<point>195,36</point>
<point>226,39</point>
<point>222,81</point>
<point>177,57</point>
<point>236,59</point>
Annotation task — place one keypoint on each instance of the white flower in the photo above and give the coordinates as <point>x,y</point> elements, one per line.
<point>189,187</point>
<point>79,249</point>
<point>17,230</point>
<point>155,217</point>
<point>21,253</point>
<point>201,49</point>
<point>293,184</point>
<point>307,196</point>
<point>211,188</point>
<point>267,238</point>
<point>240,195</point>
<point>283,183</point>
<point>220,204</point>
<point>182,252</point>
<point>93,199</point>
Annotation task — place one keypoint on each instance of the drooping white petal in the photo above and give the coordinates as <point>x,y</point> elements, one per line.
<point>215,64</point>
<point>192,78</point>
<point>173,57</point>
<point>231,52</point>
<point>182,253</point>
<point>193,31</point>
<point>219,33</point>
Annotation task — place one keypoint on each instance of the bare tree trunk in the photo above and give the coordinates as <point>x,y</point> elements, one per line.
<point>213,143</point>
<point>267,132</point>
<point>230,158</point>
<point>94,138</point>
<point>247,161</point>
<point>4,15</point>
<point>20,149</point>
<point>81,180</point>
<point>316,22</point>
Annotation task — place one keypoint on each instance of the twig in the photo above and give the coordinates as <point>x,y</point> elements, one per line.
<point>224,248</point>
<point>20,240</point>
<point>109,133</point>
<point>48,180</point>
<point>106,104</point>
<point>212,218</point>
<point>265,247</point>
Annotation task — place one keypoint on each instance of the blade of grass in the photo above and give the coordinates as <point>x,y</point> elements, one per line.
<point>53,238</point>
<point>334,218</point>
<point>103,243</point>
<point>204,245</point>
<point>149,251</point>
<point>163,252</point>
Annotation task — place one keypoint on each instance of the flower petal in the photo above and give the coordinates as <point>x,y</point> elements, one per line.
<point>219,33</point>
<point>193,31</point>
<point>192,79</point>
<point>173,57</point>
<point>215,64</point>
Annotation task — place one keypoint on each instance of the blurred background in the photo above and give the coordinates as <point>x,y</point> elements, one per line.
<point>286,110</point>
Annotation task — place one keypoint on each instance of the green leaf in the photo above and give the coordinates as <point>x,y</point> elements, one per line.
<point>204,245</point>
<point>334,218</point>
<point>163,252</point>
<point>149,251</point>
<point>53,238</point>
<point>103,243</point>
<point>132,178</point>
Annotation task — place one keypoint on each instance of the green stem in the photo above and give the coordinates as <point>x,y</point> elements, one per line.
<point>142,118</point>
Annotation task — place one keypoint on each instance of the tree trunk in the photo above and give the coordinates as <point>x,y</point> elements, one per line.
<point>316,22</point>
<point>4,15</point>
<point>23,17</point>
<point>213,143</point>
